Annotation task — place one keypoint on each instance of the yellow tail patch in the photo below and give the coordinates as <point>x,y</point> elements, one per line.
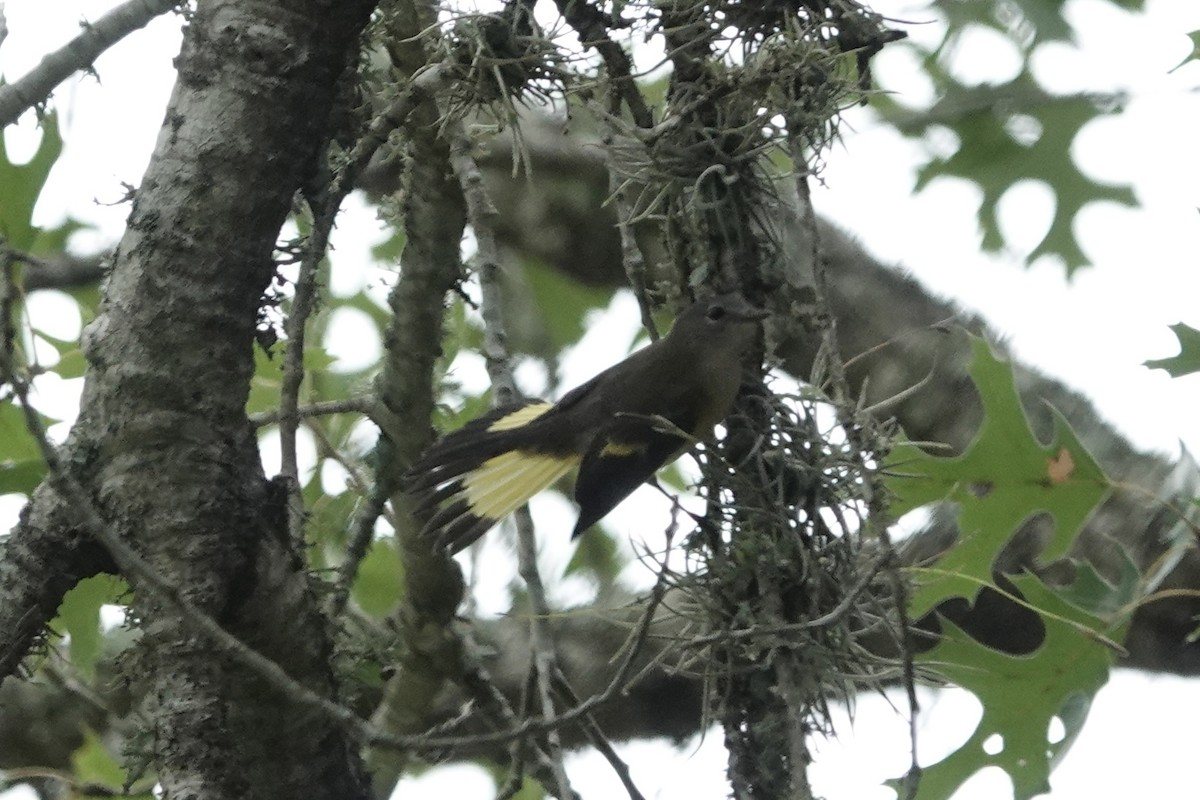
<point>502,484</point>
<point>522,416</point>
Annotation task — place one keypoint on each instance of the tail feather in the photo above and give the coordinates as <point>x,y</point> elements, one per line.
<point>437,466</point>
<point>463,533</point>
<point>419,480</point>
<point>502,484</point>
<point>473,478</point>
<point>448,516</point>
<point>483,497</point>
<point>429,503</point>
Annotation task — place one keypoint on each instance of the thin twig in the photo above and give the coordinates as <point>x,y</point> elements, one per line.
<point>325,212</point>
<point>494,705</point>
<point>592,27</point>
<point>783,629</point>
<point>295,326</point>
<point>322,408</point>
<point>80,53</point>
<point>360,538</point>
<point>847,418</point>
<point>482,214</point>
<point>591,729</point>
<point>940,326</point>
<point>515,780</point>
<point>362,533</point>
<point>8,298</point>
<point>900,396</point>
<point>423,86</point>
<point>631,253</point>
<point>619,682</point>
<point>64,674</point>
<point>133,565</point>
<point>541,641</point>
<point>357,480</point>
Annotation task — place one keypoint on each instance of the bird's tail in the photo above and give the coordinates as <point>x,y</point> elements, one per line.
<point>469,480</point>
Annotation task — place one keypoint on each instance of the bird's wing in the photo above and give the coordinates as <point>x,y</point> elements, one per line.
<point>623,456</point>
<point>471,479</point>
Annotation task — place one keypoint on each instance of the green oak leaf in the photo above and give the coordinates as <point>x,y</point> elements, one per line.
<point>21,464</point>
<point>79,618</point>
<point>1005,477</point>
<point>597,555</point>
<point>1192,56</point>
<point>20,185</point>
<point>548,311</point>
<point>1009,133</point>
<point>379,582</point>
<point>1188,360</point>
<point>1021,695</point>
<point>267,382</point>
<point>995,159</point>
<point>1044,18</point>
<point>96,769</point>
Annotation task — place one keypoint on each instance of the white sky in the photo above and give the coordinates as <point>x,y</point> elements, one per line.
<point>1092,334</point>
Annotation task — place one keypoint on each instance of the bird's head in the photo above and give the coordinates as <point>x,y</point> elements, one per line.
<point>722,323</point>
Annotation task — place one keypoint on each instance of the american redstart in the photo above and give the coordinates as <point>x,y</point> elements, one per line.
<point>620,428</point>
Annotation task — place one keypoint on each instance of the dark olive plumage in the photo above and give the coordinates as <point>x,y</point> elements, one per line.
<point>620,428</point>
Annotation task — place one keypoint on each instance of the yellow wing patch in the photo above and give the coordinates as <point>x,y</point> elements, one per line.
<point>502,484</point>
<point>620,449</point>
<point>522,416</point>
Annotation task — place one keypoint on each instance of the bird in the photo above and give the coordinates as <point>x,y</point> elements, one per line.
<point>619,429</point>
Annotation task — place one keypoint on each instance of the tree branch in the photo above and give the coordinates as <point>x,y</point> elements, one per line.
<point>162,449</point>
<point>892,336</point>
<point>35,87</point>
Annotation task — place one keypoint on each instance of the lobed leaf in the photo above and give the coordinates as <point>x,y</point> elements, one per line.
<point>1188,359</point>
<point>1005,477</point>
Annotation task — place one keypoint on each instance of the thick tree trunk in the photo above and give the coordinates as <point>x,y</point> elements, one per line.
<point>162,446</point>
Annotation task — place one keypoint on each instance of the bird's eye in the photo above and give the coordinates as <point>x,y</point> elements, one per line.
<point>715,312</point>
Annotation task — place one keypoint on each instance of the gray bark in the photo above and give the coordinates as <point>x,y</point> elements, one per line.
<point>163,430</point>
<point>162,446</point>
